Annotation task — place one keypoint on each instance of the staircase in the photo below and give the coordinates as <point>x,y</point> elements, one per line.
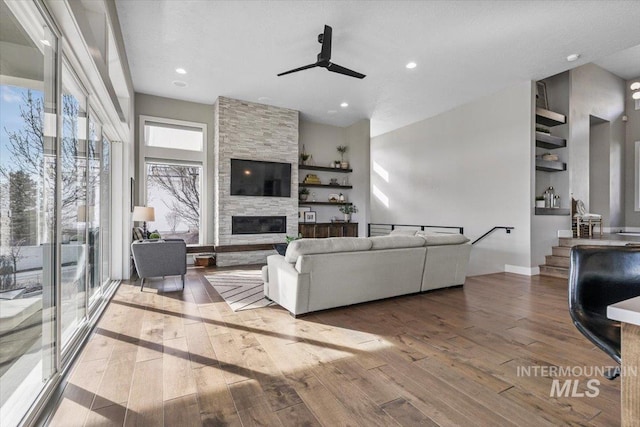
<point>557,264</point>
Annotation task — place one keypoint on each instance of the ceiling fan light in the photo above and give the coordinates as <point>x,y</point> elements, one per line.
<point>411,65</point>
<point>636,95</point>
<point>635,86</point>
<point>344,105</point>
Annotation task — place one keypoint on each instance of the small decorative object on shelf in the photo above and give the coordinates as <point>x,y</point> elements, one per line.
<point>313,196</point>
<point>303,194</point>
<point>334,198</point>
<point>343,149</point>
<point>311,179</point>
<point>336,164</point>
<point>341,197</point>
<point>334,181</point>
<point>347,210</point>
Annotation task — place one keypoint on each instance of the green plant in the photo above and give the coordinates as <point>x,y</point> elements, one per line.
<point>342,149</point>
<point>304,157</point>
<point>303,190</point>
<point>154,235</point>
<point>290,239</point>
<point>348,209</point>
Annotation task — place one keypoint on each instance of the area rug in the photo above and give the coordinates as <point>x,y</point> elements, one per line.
<point>241,289</point>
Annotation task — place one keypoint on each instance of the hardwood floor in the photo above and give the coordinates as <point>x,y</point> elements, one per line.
<point>444,358</point>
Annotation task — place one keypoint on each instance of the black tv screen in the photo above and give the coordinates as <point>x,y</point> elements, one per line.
<point>254,178</point>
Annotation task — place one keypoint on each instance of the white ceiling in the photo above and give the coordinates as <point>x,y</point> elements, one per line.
<point>464,50</point>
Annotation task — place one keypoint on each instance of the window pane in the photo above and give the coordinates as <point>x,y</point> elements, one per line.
<point>74,205</point>
<point>173,136</point>
<point>27,211</point>
<point>93,208</point>
<point>105,213</point>
<point>174,192</point>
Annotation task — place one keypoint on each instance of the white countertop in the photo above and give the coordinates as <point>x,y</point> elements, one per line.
<point>627,311</point>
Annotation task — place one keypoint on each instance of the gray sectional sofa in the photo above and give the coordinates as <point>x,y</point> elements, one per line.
<point>317,274</point>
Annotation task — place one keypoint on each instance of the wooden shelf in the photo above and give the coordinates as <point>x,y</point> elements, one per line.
<point>550,142</point>
<point>549,118</point>
<point>552,211</point>
<point>302,184</point>
<point>550,166</point>
<point>324,169</point>
<point>301,203</point>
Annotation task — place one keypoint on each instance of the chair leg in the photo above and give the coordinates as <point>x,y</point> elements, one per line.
<point>141,283</point>
<point>182,281</point>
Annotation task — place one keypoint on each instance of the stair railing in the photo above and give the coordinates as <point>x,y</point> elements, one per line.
<point>378,229</point>
<point>499,227</point>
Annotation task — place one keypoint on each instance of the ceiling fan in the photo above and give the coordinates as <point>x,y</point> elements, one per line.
<point>324,58</point>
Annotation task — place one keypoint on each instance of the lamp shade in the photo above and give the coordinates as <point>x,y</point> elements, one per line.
<point>143,213</point>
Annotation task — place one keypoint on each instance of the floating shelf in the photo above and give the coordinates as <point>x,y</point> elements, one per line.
<point>302,184</point>
<point>324,169</point>
<point>550,142</point>
<point>549,118</point>
<point>301,203</point>
<point>550,166</point>
<point>552,211</point>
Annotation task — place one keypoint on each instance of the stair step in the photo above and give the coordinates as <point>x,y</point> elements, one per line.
<point>561,251</point>
<point>547,270</point>
<point>557,261</point>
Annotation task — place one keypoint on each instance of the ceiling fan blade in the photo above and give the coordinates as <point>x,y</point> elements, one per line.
<point>347,72</point>
<point>306,67</point>
<point>325,53</point>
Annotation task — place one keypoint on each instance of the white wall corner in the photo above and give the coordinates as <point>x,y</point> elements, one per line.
<point>525,271</point>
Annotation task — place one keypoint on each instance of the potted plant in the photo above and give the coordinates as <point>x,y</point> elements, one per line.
<point>336,164</point>
<point>303,194</point>
<point>347,210</point>
<point>343,149</point>
<point>304,157</point>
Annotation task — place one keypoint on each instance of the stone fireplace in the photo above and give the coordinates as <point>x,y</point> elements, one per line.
<point>249,131</point>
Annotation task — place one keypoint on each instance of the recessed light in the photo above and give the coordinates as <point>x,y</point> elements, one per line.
<point>344,105</point>
<point>636,95</point>
<point>331,112</point>
<point>181,71</point>
<point>635,86</point>
<point>573,57</point>
<point>180,83</point>
<point>411,65</point>
<point>45,42</point>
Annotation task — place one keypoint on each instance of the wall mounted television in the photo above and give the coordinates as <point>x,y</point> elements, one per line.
<point>257,178</point>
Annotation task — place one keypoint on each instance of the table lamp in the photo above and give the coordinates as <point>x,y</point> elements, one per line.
<point>144,214</point>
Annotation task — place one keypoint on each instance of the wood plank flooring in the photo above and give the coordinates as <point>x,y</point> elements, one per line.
<point>444,358</point>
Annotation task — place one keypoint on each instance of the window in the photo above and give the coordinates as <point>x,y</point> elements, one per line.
<point>172,162</point>
<point>175,136</point>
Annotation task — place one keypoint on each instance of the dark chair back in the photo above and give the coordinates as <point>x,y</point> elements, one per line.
<point>600,276</point>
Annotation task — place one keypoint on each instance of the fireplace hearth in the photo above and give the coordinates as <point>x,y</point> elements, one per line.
<point>258,224</point>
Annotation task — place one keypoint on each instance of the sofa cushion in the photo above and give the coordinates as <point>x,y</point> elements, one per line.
<point>321,246</point>
<point>396,241</point>
<point>403,233</point>
<point>439,239</point>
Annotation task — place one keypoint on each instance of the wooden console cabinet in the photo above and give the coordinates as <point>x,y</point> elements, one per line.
<point>328,229</point>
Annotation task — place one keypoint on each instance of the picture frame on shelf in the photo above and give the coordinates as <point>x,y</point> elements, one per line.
<point>301,211</point>
<point>541,96</point>
<point>310,217</point>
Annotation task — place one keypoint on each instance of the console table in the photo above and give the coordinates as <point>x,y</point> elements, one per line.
<point>328,229</point>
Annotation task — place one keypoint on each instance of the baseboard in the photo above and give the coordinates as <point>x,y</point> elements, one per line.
<point>525,271</point>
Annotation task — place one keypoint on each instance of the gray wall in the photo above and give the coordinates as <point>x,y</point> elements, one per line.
<point>321,140</point>
<point>632,216</point>
<point>470,167</point>
<point>599,93</point>
<point>150,105</point>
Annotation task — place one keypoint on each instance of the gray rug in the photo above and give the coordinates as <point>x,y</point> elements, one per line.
<point>241,289</point>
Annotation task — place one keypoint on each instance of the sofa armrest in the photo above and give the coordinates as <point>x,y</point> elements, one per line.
<point>287,287</point>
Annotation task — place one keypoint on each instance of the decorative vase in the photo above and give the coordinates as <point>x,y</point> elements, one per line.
<point>344,165</point>
<point>347,217</point>
<point>303,197</point>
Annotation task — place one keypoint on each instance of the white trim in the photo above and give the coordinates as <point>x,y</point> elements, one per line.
<point>565,233</point>
<point>525,271</point>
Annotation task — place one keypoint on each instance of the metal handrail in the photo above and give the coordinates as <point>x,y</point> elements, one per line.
<point>507,229</point>
<point>422,227</point>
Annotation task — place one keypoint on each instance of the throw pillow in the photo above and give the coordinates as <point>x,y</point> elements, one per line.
<point>138,234</point>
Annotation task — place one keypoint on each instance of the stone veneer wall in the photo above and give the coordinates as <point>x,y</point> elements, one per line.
<point>245,130</point>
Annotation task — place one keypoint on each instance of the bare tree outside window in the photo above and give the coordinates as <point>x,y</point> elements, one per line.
<point>174,191</point>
